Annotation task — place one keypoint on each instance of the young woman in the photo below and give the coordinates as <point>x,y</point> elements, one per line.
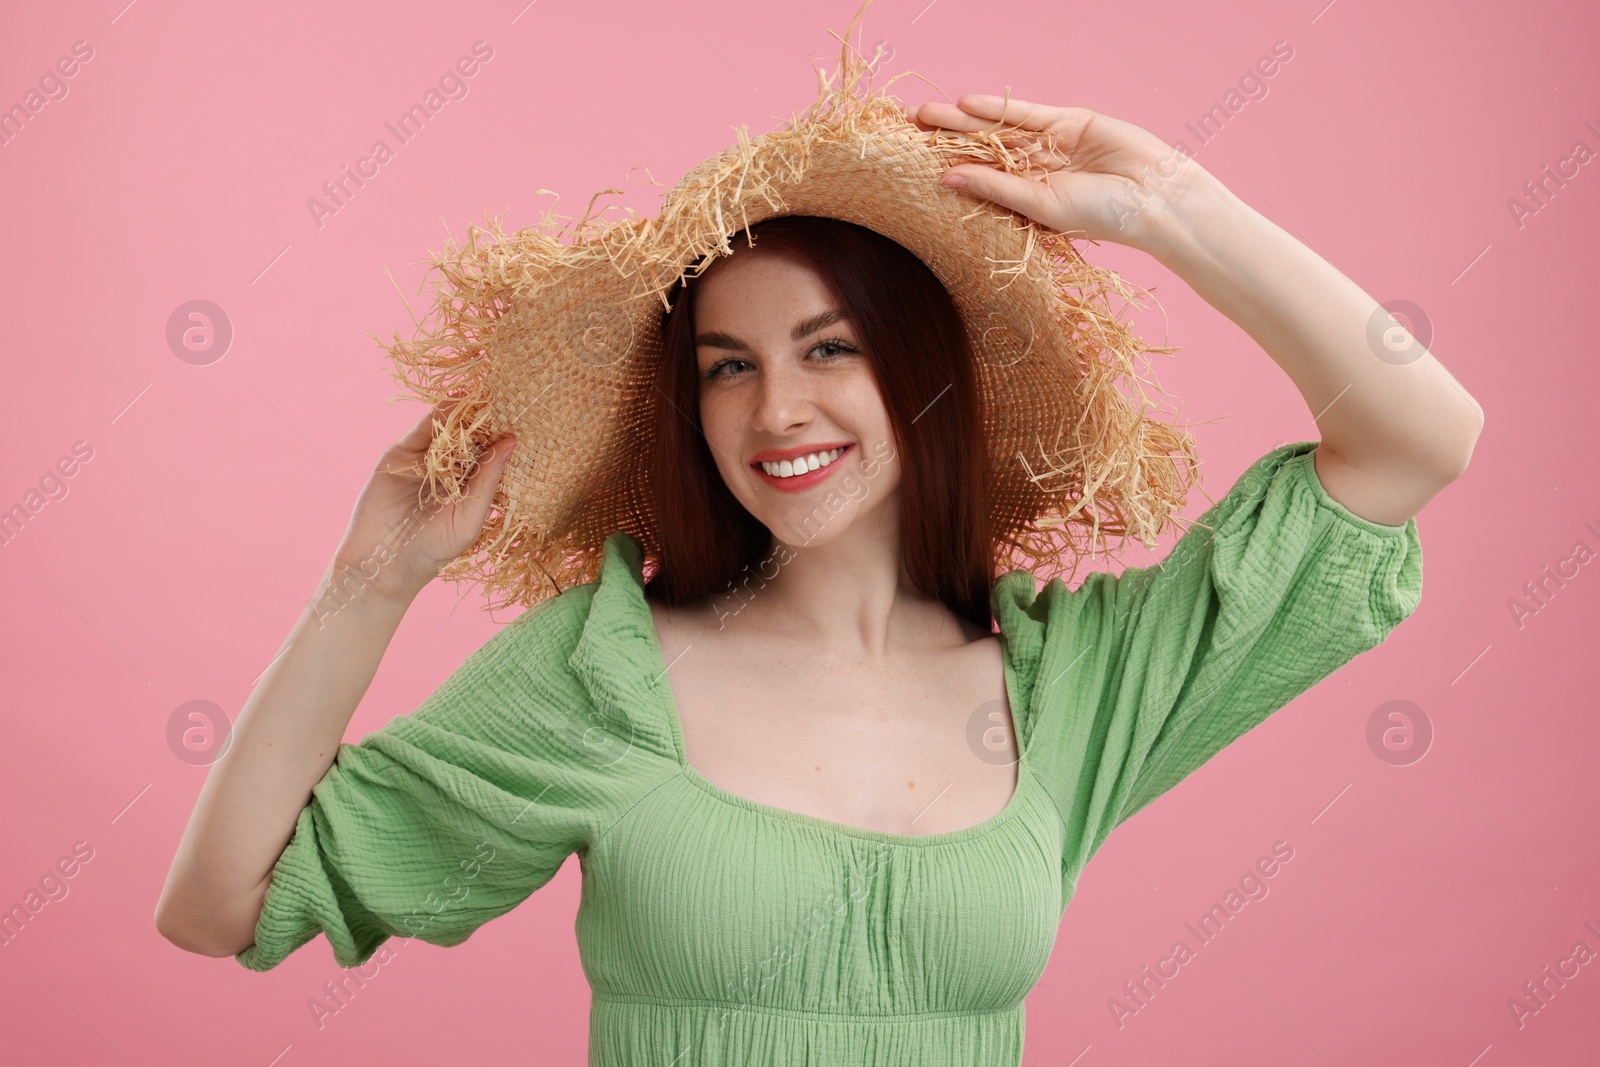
<point>835,817</point>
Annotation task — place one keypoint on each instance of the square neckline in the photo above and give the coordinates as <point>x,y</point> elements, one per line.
<point>663,686</point>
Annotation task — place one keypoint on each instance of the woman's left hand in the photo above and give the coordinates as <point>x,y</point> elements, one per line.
<point>1104,179</point>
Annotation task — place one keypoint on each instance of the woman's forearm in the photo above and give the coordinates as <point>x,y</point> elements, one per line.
<point>284,741</point>
<point>1314,322</point>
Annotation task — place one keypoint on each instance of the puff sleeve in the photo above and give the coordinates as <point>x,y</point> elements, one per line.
<point>452,815</point>
<point>1138,679</point>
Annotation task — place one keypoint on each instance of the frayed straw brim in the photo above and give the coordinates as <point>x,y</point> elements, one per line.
<point>553,333</point>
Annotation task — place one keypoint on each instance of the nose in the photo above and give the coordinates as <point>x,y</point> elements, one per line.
<point>783,403</point>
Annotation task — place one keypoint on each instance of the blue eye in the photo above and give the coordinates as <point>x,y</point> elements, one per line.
<point>715,370</point>
<point>835,349</point>
<point>840,347</point>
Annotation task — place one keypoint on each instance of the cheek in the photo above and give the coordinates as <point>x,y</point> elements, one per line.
<point>720,422</point>
<point>880,457</point>
<point>714,418</point>
<point>862,405</point>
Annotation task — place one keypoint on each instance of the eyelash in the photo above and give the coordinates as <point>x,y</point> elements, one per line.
<point>845,347</point>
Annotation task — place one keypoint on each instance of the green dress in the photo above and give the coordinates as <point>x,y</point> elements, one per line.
<point>717,930</point>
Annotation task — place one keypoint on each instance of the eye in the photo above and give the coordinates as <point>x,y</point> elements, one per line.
<point>715,370</point>
<point>836,347</point>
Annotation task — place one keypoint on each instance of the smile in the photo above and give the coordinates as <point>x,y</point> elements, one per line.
<point>801,472</point>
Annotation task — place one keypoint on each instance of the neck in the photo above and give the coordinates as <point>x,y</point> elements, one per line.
<point>848,595</point>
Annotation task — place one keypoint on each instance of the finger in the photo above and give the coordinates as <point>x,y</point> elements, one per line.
<point>493,453</point>
<point>912,117</point>
<point>499,451</point>
<point>1008,111</point>
<point>1022,195</point>
<point>948,116</point>
<point>421,433</point>
<point>415,442</point>
<point>952,117</point>
<point>486,470</point>
<point>1049,156</point>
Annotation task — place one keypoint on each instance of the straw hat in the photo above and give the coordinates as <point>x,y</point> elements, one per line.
<point>554,333</point>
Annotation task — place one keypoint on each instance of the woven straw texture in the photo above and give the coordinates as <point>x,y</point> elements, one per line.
<point>553,333</point>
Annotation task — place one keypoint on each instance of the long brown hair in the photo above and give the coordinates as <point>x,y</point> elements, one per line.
<point>921,356</point>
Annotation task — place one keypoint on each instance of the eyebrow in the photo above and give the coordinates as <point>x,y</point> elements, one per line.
<point>806,327</point>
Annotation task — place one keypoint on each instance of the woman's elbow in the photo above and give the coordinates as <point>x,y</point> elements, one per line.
<point>215,936</point>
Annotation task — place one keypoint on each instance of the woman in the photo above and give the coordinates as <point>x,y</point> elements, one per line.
<point>835,818</point>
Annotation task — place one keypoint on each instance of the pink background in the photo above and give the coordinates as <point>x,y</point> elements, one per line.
<point>178,167</point>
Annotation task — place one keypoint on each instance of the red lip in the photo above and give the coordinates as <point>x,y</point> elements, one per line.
<point>776,455</point>
<point>801,482</point>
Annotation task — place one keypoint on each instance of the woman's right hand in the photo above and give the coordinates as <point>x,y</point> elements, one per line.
<point>399,537</point>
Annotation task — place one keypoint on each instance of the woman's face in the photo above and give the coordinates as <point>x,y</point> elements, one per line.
<point>784,376</point>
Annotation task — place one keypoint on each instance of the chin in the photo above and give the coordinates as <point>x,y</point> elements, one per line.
<point>817,522</point>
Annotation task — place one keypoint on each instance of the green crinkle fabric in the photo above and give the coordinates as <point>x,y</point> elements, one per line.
<point>718,930</point>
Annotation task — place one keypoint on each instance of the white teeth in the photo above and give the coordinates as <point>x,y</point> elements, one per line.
<point>805,465</point>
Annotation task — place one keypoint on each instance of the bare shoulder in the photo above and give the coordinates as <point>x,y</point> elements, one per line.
<point>979,641</point>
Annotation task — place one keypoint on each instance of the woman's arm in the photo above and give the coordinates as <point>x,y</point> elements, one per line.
<point>289,730</point>
<point>283,743</point>
<point>1392,435</point>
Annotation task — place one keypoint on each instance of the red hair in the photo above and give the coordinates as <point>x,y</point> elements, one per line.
<point>921,357</point>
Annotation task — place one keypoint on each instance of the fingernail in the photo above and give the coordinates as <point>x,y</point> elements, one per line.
<point>954,180</point>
